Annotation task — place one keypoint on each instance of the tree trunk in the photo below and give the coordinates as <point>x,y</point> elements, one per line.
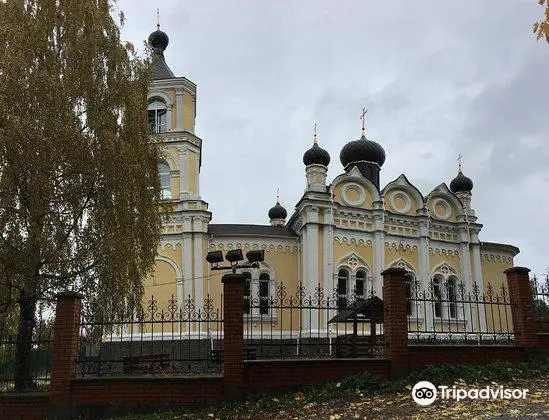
<point>27,322</point>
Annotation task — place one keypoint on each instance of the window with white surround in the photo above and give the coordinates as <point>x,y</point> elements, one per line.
<point>410,303</point>
<point>360,285</point>
<point>258,289</point>
<point>352,284</point>
<point>165,180</point>
<point>158,116</point>
<point>445,296</point>
<point>411,292</point>
<point>342,288</point>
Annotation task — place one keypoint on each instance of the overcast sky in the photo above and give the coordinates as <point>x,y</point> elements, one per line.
<point>439,78</point>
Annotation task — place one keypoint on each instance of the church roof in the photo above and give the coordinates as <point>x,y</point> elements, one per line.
<point>159,41</point>
<point>250,230</point>
<point>160,69</point>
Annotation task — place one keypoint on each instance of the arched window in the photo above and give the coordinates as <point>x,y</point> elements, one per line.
<point>264,280</point>
<point>247,291</point>
<point>257,293</point>
<point>437,295</point>
<point>451,293</point>
<point>410,298</point>
<point>165,180</point>
<point>158,116</point>
<point>360,285</point>
<point>342,287</point>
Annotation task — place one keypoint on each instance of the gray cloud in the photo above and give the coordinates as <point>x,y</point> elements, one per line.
<point>438,78</point>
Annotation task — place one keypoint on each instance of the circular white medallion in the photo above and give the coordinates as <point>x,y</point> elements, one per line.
<point>353,194</point>
<point>442,208</point>
<point>400,201</point>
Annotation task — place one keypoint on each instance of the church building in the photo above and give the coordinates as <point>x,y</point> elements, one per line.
<point>340,235</point>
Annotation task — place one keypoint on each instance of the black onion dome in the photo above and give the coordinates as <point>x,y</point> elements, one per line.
<point>316,155</point>
<point>159,41</point>
<point>461,183</point>
<point>362,150</point>
<point>277,212</point>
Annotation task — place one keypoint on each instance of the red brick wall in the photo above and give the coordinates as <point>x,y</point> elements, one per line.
<point>24,406</point>
<point>422,355</point>
<point>283,373</point>
<point>543,341</point>
<point>134,390</point>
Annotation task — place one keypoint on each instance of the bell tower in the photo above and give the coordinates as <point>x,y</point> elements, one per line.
<point>171,116</point>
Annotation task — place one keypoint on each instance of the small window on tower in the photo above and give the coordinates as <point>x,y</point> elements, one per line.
<point>158,117</point>
<point>164,174</point>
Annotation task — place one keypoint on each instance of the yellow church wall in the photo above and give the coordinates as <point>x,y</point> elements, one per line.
<point>345,248</point>
<point>437,257</point>
<point>156,287</point>
<point>188,112</point>
<point>410,255</point>
<point>352,194</point>
<point>171,252</point>
<point>434,208</point>
<point>285,267</point>
<point>320,252</point>
<point>497,316</point>
<point>400,203</point>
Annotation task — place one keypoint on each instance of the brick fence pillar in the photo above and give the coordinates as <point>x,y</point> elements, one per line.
<point>233,337</point>
<point>522,309</point>
<point>395,322</point>
<point>65,350</point>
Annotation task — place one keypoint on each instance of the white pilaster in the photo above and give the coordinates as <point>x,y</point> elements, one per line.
<point>179,107</point>
<point>466,278</point>
<point>477,277</point>
<point>198,265</point>
<point>379,247</point>
<point>311,262</point>
<point>183,175</point>
<point>424,272</point>
<point>169,117</point>
<point>187,258</point>
<point>328,252</point>
<point>197,175</point>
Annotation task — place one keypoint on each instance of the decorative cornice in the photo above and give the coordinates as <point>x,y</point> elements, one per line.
<point>496,257</point>
<point>447,252</point>
<point>261,243</point>
<point>406,247</point>
<point>344,239</point>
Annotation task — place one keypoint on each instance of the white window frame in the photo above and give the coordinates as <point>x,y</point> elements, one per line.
<point>255,313</point>
<point>157,128</point>
<point>351,281</point>
<point>446,307</point>
<point>165,193</point>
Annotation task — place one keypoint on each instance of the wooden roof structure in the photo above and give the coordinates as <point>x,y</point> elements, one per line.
<point>368,310</point>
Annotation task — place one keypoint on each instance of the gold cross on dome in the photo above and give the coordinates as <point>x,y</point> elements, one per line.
<point>363,117</point>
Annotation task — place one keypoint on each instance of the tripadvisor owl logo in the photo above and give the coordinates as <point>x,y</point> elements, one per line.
<point>424,393</point>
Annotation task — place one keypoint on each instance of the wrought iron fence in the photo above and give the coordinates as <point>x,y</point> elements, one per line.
<point>448,312</point>
<point>178,339</point>
<point>40,357</point>
<point>284,324</point>
<point>540,295</point>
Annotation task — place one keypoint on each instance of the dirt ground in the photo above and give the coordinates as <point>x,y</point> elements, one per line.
<point>402,406</point>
